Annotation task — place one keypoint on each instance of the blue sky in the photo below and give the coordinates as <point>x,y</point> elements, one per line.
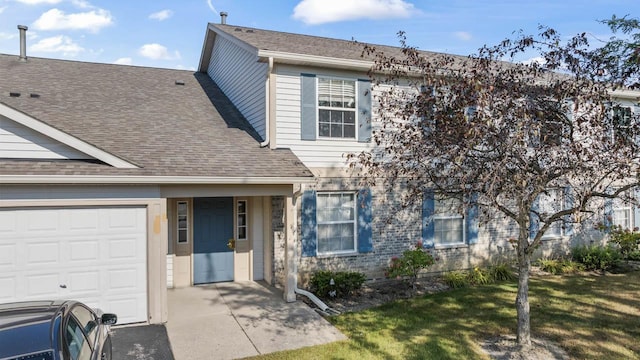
<point>165,33</point>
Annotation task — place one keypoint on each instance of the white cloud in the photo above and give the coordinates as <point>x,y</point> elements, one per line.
<point>161,15</point>
<point>314,12</point>
<point>38,2</point>
<point>124,61</point>
<point>538,59</point>
<point>57,44</point>
<point>212,7</point>
<point>82,4</point>
<point>463,35</point>
<point>55,19</point>
<point>157,52</point>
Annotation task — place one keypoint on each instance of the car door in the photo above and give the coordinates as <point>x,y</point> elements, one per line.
<point>82,334</point>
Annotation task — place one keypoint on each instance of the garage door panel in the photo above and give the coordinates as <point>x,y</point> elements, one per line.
<point>97,254</point>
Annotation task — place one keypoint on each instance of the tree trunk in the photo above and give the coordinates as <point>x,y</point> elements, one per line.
<point>522,299</point>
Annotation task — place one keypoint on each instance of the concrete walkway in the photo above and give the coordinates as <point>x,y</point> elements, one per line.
<point>236,320</point>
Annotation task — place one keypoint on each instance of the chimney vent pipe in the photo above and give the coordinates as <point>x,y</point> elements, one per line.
<point>23,42</point>
<point>223,17</point>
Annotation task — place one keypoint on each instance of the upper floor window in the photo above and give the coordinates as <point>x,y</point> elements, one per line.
<point>336,108</point>
<point>621,122</point>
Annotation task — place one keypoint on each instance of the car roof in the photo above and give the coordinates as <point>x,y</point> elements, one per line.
<point>27,327</point>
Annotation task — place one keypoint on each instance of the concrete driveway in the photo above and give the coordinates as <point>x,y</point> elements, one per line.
<point>239,319</point>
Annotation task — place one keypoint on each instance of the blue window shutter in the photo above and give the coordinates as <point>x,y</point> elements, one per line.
<point>309,224</point>
<point>534,220</point>
<point>365,218</point>
<point>569,202</point>
<point>364,110</point>
<point>308,112</point>
<point>471,220</point>
<point>428,208</point>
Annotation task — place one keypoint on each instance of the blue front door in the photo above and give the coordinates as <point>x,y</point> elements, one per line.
<point>212,229</point>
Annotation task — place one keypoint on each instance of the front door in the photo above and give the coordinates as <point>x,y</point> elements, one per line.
<point>212,229</point>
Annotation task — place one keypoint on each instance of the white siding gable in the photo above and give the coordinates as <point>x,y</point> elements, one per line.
<point>320,153</point>
<point>20,142</point>
<point>242,79</point>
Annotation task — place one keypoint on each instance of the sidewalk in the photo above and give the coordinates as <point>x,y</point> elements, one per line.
<point>234,320</point>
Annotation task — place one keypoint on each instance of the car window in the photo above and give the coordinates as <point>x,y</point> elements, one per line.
<point>87,321</point>
<point>77,344</point>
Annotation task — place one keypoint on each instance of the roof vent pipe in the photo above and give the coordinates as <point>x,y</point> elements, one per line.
<point>23,42</point>
<point>223,17</point>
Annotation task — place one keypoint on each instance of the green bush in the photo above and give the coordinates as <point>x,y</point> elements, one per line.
<point>479,276</point>
<point>626,240</point>
<point>560,266</point>
<point>410,264</point>
<point>328,284</point>
<point>596,257</point>
<point>502,272</point>
<point>634,255</point>
<point>456,279</point>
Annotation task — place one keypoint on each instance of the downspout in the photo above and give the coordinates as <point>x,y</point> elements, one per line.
<point>267,88</point>
<point>322,307</point>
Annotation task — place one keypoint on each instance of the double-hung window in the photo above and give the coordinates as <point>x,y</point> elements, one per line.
<point>336,217</point>
<point>336,108</point>
<point>551,202</point>
<point>182,220</point>
<point>621,122</point>
<point>448,221</point>
<point>622,212</point>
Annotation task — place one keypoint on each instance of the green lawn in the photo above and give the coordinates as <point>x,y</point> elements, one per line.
<point>590,316</point>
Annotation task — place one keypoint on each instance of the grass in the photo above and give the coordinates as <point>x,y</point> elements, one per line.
<point>590,316</point>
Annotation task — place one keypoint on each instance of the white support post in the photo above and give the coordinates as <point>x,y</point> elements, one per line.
<point>290,267</point>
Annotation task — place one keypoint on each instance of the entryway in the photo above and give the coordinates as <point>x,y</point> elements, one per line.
<point>213,228</point>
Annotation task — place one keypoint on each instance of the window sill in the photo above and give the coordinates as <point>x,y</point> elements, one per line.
<point>330,255</point>
<point>451,246</point>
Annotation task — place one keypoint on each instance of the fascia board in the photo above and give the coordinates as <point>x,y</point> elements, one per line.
<point>625,94</point>
<point>157,180</point>
<point>64,138</point>
<point>315,60</point>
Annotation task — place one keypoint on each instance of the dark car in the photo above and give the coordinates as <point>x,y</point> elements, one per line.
<point>54,330</point>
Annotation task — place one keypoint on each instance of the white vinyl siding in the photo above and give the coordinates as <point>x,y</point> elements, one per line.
<point>20,142</point>
<point>319,153</point>
<point>550,203</point>
<point>242,79</point>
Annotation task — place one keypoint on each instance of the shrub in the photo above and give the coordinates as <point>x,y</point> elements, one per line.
<point>626,240</point>
<point>410,264</point>
<point>456,279</point>
<point>560,266</point>
<point>634,255</point>
<point>502,272</point>
<point>479,276</point>
<point>327,284</point>
<point>596,257</point>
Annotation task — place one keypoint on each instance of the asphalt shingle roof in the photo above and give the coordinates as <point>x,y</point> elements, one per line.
<point>141,115</point>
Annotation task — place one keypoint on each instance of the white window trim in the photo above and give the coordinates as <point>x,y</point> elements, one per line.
<point>318,108</point>
<point>447,216</point>
<point>627,207</point>
<point>548,236</point>
<point>188,220</point>
<point>614,127</point>
<point>355,225</point>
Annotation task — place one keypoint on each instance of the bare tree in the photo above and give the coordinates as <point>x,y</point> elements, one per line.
<point>501,134</point>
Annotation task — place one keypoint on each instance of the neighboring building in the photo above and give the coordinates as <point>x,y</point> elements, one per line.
<point>117,182</point>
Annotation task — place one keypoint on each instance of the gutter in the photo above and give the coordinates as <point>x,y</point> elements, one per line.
<point>164,180</point>
<point>324,61</point>
<point>267,117</point>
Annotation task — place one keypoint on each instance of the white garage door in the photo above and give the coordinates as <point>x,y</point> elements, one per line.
<point>96,255</point>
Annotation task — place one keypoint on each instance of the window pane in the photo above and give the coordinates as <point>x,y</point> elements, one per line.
<point>182,236</point>
<point>336,130</point>
<point>182,208</point>
<point>325,130</point>
<point>349,117</point>
<point>336,222</point>
<point>325,116</point>
<point>448,231</point>
<point>242,232</point>
<point>349,131</point>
